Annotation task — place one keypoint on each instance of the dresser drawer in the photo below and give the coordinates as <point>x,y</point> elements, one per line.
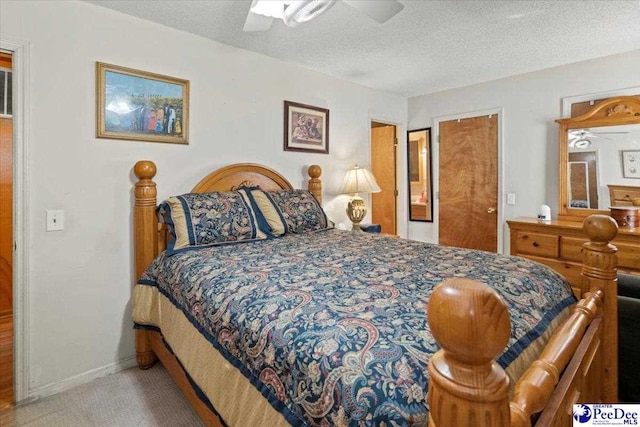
<point>623,196</point>
<point>628,255</point>
<point>545,245</point>
<point>571,248</point>
<point>569,270</point>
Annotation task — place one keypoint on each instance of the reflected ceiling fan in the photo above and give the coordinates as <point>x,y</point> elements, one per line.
<point>580,138</point>
<point>296,12</point>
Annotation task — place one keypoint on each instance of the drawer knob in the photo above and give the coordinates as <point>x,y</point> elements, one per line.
<point>536,244</point>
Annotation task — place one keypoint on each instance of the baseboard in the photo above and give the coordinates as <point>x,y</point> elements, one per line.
<point>76,380</point>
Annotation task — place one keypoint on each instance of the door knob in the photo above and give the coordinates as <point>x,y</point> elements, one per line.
<point>491,210</point>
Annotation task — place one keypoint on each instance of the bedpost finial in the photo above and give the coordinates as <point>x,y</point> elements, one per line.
<point>469,320</point>
<point>600,228</point>
<point>145,169</point>
<point>314,171</point>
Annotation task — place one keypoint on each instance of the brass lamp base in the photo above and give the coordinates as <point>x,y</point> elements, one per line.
<point>356,211</point>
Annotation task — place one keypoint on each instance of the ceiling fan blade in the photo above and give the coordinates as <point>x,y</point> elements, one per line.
<point>379,10</point>
<point>256,22</point>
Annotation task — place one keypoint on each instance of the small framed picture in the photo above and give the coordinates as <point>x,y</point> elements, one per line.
<point>306,128</point>
<point>141,106</point>
<point>631,163</point>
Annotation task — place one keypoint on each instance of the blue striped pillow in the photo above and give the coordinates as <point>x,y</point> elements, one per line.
<point>207,219</point>
<point>290,211</point>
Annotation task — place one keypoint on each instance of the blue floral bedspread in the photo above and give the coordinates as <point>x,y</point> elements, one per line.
<point>332,327</point>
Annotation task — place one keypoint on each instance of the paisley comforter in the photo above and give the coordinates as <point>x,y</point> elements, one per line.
<point>330,327</point>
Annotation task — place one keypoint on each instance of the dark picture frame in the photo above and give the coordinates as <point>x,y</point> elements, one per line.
<point>141,106</point>
<point>306,128</point>
<point>420,175</point>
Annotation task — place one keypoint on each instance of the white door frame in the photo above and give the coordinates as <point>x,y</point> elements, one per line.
<point>20,71</point>
<point>436,167</point>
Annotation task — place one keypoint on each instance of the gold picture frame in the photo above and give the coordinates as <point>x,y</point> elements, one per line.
<point>141,106</point>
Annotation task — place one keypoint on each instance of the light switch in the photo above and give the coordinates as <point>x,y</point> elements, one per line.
<point>55,220</point>
<point>511,198</point>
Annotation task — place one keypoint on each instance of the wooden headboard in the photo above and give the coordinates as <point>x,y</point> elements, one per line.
<point>151,232</point>
<point>239,175</point>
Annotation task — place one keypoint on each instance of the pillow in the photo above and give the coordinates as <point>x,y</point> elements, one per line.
<point>290,211</point>
<point>207,219</point>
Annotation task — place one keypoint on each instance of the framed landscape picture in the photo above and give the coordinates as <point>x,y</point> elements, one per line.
<point>141,106</point>
<point>306,128</point>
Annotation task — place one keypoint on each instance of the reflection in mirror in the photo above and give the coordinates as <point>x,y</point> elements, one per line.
<point>599,171</point>
<point>419,159</point>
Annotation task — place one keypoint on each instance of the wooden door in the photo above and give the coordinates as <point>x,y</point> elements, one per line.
<point>383,168</point>
<point>468,180</point>
<point>6,251</point>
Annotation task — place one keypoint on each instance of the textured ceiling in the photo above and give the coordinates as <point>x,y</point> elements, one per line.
<point>428,47</point>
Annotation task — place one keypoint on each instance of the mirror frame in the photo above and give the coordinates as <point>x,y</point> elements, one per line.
<point>615,111</point>
<point>429,177</point>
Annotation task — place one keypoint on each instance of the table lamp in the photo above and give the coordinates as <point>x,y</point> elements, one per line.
<point>358,180</point>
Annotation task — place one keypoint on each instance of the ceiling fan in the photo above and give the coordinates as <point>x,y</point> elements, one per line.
<point>579,138</point>
<point>296,12</point>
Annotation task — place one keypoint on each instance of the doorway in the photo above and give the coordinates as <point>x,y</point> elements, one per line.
<point>383,167</point>
<point>6,231</point>
<point>468,182</point>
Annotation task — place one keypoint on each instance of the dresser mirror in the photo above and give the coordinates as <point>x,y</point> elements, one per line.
<point>600,158</point>
<point>419,171</point>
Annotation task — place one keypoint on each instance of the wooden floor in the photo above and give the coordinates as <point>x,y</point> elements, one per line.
<point>6,361</point>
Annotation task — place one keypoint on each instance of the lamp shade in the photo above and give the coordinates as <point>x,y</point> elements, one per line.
<point>359,180</point>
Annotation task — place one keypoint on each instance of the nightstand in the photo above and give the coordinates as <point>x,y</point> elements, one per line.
<point>376,228</point>
<point>370,228</point>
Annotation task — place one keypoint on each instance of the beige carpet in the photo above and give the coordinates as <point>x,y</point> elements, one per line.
<point>128,398</point>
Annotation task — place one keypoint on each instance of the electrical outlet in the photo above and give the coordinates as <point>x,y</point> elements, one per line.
<point>55,220</point>
<point>511,198</point>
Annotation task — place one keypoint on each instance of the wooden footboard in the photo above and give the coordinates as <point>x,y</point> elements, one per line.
<point>579,364</point>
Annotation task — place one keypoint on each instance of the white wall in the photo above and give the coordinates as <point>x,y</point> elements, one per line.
<point>80,279</point>
<point>531,103</point>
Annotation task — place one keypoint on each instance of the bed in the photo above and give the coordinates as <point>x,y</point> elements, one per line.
<point>327,327</point>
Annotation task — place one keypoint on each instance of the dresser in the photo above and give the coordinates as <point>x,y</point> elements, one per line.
<point>623,195</point>
<point>558,244</point>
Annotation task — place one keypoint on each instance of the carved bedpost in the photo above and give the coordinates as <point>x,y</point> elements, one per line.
<point>145,229</point>
<point>467,387</point>
<point>599,272</point>
<point>315,184</point>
